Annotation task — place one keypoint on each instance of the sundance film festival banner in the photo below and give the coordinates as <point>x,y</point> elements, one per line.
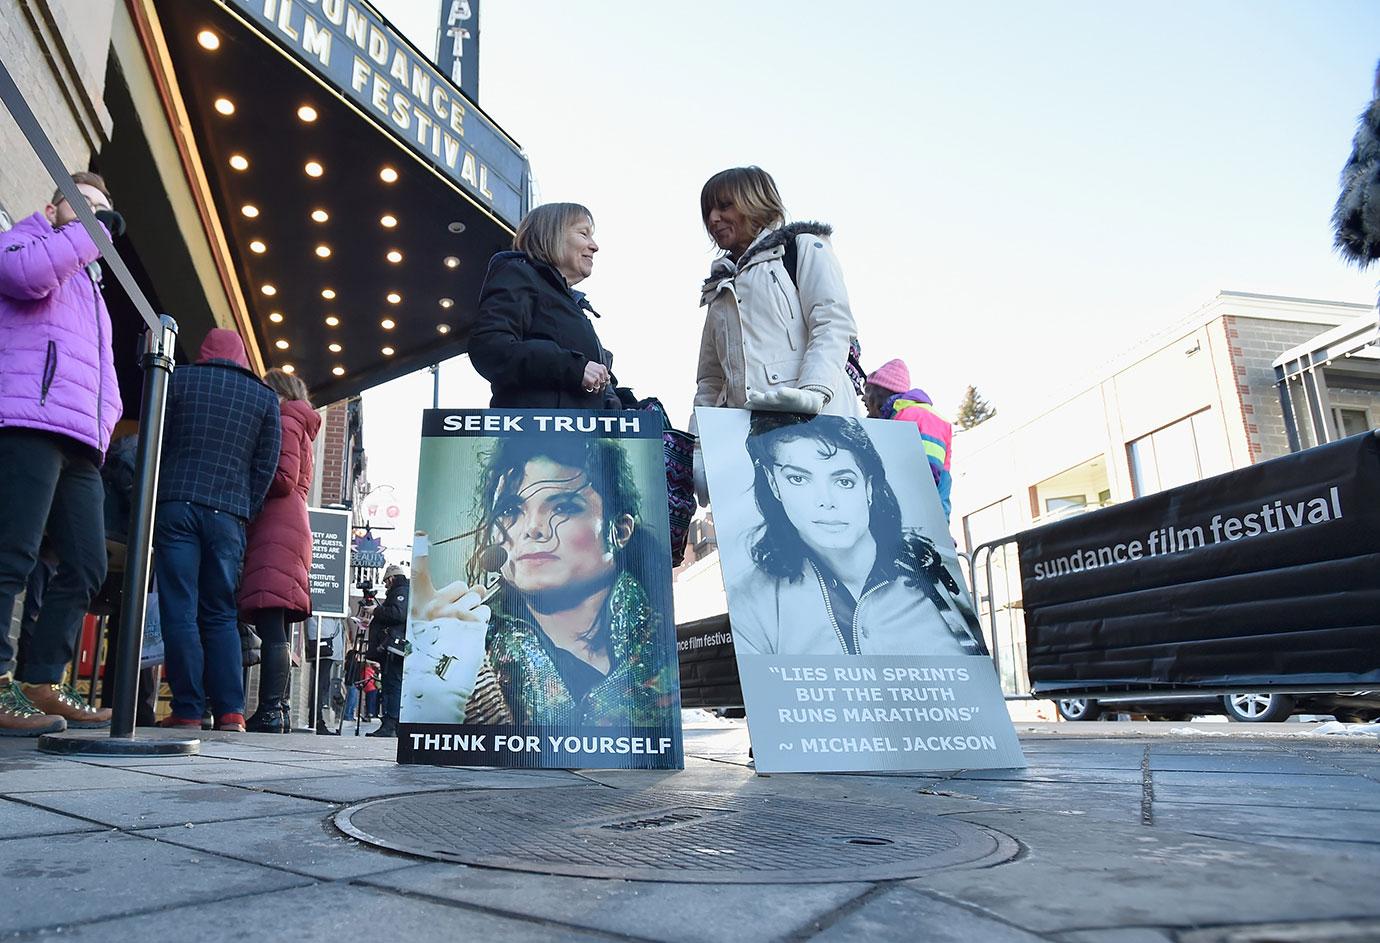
<point>540,621</point>
<point>1265,575</point>
<point>856,641</point>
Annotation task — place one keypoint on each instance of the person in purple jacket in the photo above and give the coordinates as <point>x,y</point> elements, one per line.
<point>59,402</point>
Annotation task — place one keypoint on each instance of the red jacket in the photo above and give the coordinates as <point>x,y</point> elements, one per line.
<point>278,550</point>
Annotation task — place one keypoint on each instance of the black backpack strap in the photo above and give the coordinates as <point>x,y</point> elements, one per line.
<point>791,259</point>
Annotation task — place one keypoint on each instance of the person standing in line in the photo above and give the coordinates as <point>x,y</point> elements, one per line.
<point>888,395</point>
<point>388,645</point>
<point>221,444</point>
<point>59,402</point>
<point>533,339</point>
<point>274,591</point>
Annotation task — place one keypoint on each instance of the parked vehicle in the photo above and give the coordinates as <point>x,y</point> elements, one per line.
<point>1253,707</point>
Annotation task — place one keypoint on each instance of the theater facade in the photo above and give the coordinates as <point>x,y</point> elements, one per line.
<point>294,169</point>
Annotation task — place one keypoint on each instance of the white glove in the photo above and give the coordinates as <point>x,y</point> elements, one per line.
<point>447,629</point>
<point>701,482</point>
<point>439,675</point>
<point>787,399</point>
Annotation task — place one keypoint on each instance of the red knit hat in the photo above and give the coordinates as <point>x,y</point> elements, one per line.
<point>892,376</point>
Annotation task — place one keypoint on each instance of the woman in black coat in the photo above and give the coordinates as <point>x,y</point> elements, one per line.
<point>533,339</point>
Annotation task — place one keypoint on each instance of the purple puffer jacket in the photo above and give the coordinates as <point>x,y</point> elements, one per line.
<point>58,372</point>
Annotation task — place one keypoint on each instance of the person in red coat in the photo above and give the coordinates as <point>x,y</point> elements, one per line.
<point>273,588</point>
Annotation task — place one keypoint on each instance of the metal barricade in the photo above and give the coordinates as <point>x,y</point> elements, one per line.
<point>1005,635</point>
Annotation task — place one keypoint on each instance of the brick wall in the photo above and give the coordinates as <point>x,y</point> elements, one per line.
<point>332,471</point>
<point>56,52</point>
<point>1254,345</point>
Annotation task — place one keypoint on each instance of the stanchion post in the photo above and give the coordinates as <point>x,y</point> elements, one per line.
<point>157,363</point>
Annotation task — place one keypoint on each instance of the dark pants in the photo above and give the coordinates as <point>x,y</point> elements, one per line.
<point>275,658</point>
<point>392,687</point>
<point>146,707</point>
<point>49,482</point>
<point>197,556</point>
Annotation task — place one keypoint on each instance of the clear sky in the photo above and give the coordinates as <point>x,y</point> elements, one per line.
<point>1019,191</point>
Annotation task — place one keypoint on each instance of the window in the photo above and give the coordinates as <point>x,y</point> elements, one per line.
<point>1191,449</point>
<point>1350,421</point>
<point>1055,505</point>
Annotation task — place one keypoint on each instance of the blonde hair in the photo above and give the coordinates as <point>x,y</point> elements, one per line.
<point>286,385</point>
<point>541,234</point>
<point>751,190</point>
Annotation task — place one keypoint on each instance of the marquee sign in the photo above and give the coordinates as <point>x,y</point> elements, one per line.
<point>352,49</point>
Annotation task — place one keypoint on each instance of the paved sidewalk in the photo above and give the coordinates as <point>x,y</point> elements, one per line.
<point>1127,833</point>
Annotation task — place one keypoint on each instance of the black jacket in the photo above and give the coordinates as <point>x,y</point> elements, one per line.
<point>389,622</point>
<point>533,338</point>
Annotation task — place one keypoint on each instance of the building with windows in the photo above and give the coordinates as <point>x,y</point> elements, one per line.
<point>1197,399</point>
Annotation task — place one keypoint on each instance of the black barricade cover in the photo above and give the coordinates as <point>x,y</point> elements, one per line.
<point>1265,575</point>
<point>708,665</point>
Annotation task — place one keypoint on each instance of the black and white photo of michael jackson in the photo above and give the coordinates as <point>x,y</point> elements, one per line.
<point>834,569</point>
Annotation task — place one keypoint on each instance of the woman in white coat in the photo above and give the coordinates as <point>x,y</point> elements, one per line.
<point>778,326</point>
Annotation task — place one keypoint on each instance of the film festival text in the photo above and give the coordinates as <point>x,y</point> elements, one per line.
<point>1272,518</point>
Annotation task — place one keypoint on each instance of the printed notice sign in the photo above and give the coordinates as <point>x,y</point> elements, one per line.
<point>856,641</point>
<point>329,576</point>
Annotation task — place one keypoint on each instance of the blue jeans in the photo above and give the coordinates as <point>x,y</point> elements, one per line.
<point>49,482</point>
<point>198,553</point>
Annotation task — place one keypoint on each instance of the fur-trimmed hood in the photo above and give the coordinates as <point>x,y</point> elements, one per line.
<point>767,240</point>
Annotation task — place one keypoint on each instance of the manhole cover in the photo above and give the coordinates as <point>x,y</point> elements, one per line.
<point>672,836</point>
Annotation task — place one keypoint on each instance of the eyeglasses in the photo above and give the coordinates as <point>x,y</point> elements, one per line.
<point>95,207</point>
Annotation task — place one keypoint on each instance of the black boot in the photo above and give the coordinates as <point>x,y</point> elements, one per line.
<point>273,715</point>
<point>389,728</point>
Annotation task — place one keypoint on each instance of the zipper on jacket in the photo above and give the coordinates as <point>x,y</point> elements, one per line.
<point>100,362</point>
<point>829,609</point>
<point>790,336</point>
<point>857,611</point>
<point>49,371</point>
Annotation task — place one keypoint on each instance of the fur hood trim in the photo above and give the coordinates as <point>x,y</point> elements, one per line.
<point>723,268</point>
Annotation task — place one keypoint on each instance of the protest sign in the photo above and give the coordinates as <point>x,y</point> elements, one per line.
<point>856,641</point>
<point>540,620</point>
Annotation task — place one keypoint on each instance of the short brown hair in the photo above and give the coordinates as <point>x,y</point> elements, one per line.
<point>88,178</point>
<point>541,234</point>
<point>286,385</point>
<point>751,190</point>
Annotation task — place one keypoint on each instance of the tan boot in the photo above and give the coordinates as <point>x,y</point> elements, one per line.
<point>63,700</point>
<point>19,717</point>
